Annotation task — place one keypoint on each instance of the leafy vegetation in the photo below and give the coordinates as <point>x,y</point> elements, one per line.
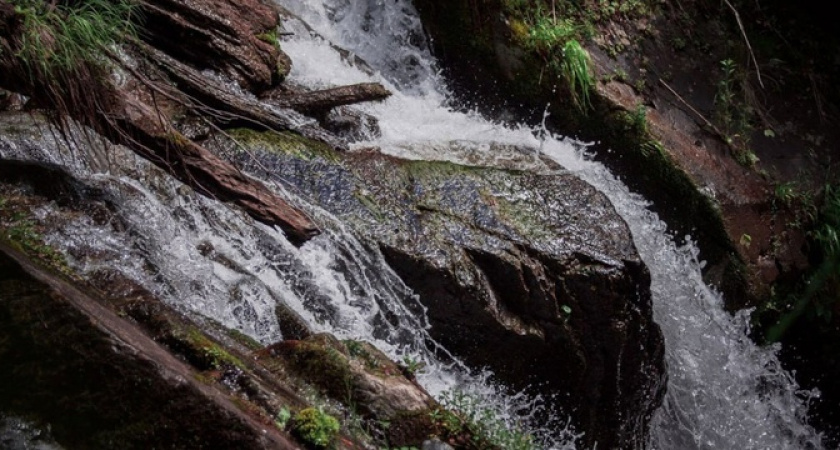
<point>468,423</point>
<point>733,112</point>
<point>820,296</point>
<point>412,366</point>
<point>60,54</point>
<point>315,427</point>
<point>282,418</point>
<point>546,34</point>
<point>557,41</point>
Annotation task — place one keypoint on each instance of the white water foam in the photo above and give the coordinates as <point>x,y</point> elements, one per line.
<point>723,391</point>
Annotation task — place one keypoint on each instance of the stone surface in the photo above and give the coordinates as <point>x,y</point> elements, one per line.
<point>231,37</point>
<point>534,276</point>
<point>228,363</point>
<point>359,374</point>
<point>97,380</point>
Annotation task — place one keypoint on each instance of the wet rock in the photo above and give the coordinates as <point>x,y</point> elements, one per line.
<point>236,38</point>
<point>508,263</point>
<point>351,125</point>
<point>97,380</point>
<point>18,434</point>
<point>359,374</point>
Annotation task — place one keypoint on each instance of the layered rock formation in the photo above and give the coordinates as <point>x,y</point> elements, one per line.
<point>532,275</point>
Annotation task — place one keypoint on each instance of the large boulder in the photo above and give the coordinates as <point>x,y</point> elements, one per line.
<point>535,276</point>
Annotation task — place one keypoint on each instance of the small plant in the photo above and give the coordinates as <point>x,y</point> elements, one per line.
<point>547,34</point>
<point>828,232</point>
<point>575,70</point>
<point>464,419</point>
<point>820,295</point>
<point>60,37</point>
<point>639,119</point>
<point>746,240</point>
<point>64,54</point>
<point>22,232</point>
<point>270,37</point>
<point>315,427</point>
<point>411,366</point>
<point>282,418</point>
<point>785,194</point>
<point>733,113</point>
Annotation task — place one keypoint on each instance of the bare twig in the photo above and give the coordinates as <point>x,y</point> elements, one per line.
<point>817,98</point>
<point>746,40</point>
<point>706,121</point>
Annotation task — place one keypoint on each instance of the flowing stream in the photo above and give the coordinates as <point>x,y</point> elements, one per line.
<point>724,392</point>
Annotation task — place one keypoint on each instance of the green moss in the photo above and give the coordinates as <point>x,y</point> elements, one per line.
<point>370,203</point>
<point>325,366</point>
<point>315,427</point>
<point>367,355</point>
<point>209,352</point>
<point>19,230</point>
<point>270,37</point>
<point>247,341</point>
<point>284,142</point>
<point>523,217</point>
<point>437,170</point>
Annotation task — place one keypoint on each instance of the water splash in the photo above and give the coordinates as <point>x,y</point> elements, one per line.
<point>723,391</point>
<point>19,434</point>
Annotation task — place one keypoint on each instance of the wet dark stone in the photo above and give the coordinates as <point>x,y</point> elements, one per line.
<point>94,391</point>
<point>534,276</point>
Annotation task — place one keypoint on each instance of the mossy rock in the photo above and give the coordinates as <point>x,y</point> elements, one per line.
<point>356,374</point>
<point>283,142</point>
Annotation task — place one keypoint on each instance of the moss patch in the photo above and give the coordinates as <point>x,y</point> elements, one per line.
<point>19,229</point>
<point>284,142</point>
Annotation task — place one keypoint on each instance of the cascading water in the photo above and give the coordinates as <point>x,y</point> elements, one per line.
<point>19,434</point>
<point>723,390</point>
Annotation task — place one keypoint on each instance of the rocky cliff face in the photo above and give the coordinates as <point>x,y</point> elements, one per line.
<point>533,275</point>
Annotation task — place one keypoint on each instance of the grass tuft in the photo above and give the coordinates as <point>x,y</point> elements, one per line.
<point>575,70</point>
<point>60,54</point>
<point>64,36</point>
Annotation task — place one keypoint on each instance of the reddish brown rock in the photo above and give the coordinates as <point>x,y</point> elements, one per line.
<point>231,37</point>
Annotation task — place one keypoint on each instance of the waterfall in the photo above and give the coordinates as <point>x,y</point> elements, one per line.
<point>212,261</point>
<point>723,391</point>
